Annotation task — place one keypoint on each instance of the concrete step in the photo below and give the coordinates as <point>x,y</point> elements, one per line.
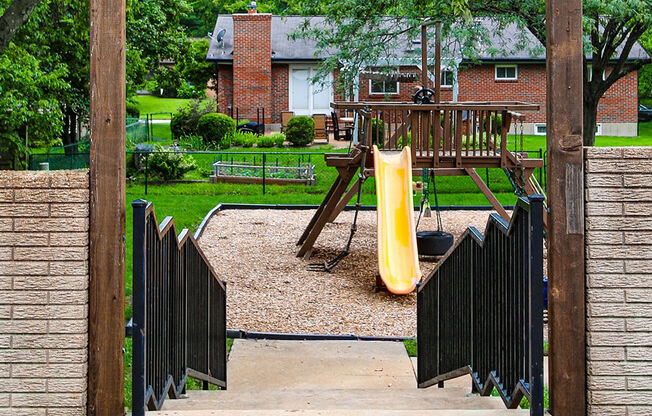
<point>319,365</point>
<point>347,412</point>
<point>335,399</point>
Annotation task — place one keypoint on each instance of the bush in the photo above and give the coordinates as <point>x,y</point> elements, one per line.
<point>496,123</point>
<point>133,110</point>
<point>238,139</point>
<point>184,121</point>
<point>266,141</point>
<point>377,131</point>
<point>189,91</point>
<point>300,130</point>
<point>167,164</point>
<point>192,143</point>
<point>216,128</point>
<point>248,139</point>
<point>279,139</point>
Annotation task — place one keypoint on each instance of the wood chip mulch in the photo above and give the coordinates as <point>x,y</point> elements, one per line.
<point>270,290</point>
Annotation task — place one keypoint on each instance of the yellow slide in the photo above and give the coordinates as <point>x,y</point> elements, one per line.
<point>398,259</point>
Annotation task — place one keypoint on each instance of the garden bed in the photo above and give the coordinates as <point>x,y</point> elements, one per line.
<point>270,290</point>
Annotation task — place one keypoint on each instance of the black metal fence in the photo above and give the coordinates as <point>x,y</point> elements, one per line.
<point>481,311</point>
<point>179,313</point>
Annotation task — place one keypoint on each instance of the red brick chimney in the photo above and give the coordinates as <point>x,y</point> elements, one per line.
<point>252,64</point>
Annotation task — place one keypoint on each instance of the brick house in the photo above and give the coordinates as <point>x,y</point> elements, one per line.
<point>258,66</point>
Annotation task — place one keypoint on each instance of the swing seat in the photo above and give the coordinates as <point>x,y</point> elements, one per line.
<point>434,243</point>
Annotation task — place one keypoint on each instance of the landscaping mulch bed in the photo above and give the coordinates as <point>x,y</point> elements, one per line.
<point>270,290</point>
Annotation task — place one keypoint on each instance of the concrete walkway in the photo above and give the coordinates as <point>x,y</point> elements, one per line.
<point>329,378</point>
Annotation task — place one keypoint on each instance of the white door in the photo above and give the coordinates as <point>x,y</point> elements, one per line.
<point>307,98</point>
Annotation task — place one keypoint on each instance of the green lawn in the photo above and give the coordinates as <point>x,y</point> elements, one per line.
<point>154,104</point>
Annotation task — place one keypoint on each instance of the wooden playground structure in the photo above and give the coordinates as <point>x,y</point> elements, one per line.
<point>450,138</point>
<point>468,136</point>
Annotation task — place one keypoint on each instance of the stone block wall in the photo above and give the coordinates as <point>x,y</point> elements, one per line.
<point>619,280</point>
<point>43,292</point>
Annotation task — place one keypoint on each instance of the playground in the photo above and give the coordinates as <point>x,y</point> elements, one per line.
<point>276,293</point>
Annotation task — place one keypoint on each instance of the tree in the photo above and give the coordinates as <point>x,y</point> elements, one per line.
<point>361,32</point>
<point>15,15</point>
<point>645,74</point>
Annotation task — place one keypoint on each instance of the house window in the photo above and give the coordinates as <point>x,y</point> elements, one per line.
<point>383,87</point>
<point>305,97</point>
<point>590,72</point>
<point>540,129</point>
<point>506,72</point>
<point>447,78</point>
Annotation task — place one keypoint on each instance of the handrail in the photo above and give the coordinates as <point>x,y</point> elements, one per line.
<point>179,312</point>
<point>480,312</point>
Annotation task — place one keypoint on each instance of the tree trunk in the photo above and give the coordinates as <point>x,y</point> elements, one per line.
<point>13,18</point>
<point>590,121</point>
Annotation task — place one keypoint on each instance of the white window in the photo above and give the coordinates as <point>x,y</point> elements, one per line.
<point>383,87</point>
<point>306,98</point>
<point>506,72</point>
<point>540,129</point>
<point>447,78</point>
<point>590,69</point>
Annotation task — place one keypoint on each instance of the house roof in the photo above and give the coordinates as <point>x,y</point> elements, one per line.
<point>501,48</point>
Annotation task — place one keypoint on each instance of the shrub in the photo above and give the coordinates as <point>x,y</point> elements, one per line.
<point>496,123</point>
<point>249,139</point>
<point>133,110</point>
<point>266,141</point>
<point>377,131</point>
<point>184,121</point>
<point>167,164</point>
<point>237,139</point>
<point>279,139</point>
<point>216,128</point>
<point>186,90</point>
<point>300,130</point>
<point>192,143</point>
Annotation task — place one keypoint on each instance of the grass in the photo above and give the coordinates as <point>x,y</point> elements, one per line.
<point>154,104</point>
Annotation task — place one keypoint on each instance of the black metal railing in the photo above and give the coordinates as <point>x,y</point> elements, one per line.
<point>481,311</point>
<point>179,313</point>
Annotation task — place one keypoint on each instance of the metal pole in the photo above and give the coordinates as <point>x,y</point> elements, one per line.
<point>264,160</point>
<point>536,305</point>
<point>146,171</point>
<point>138,386</point>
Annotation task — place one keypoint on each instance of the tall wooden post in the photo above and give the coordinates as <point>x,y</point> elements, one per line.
<point>437,62</point>
<point>424,56</point>
<point>566,201</point>
<point>107,215</point>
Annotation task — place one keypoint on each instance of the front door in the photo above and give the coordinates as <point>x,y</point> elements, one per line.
<point>307,98</point>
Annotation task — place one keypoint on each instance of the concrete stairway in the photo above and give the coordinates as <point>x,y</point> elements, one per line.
<point>330,378</point>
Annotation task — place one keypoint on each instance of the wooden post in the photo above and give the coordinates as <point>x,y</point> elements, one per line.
<point>438,62</point>
<point>424,56</point>
<point>566,201</point>
<point>107,208</point>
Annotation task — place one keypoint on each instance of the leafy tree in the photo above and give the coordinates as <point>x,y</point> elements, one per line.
<point>15,14</point>
<point>30,113</point>
<point>193,66</point>
<point>645,74</point>
<point>363,32</point>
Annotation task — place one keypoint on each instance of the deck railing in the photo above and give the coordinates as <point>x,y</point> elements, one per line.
<point>446,132</point>
<point>179,313</point>
<point>481,311</point>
